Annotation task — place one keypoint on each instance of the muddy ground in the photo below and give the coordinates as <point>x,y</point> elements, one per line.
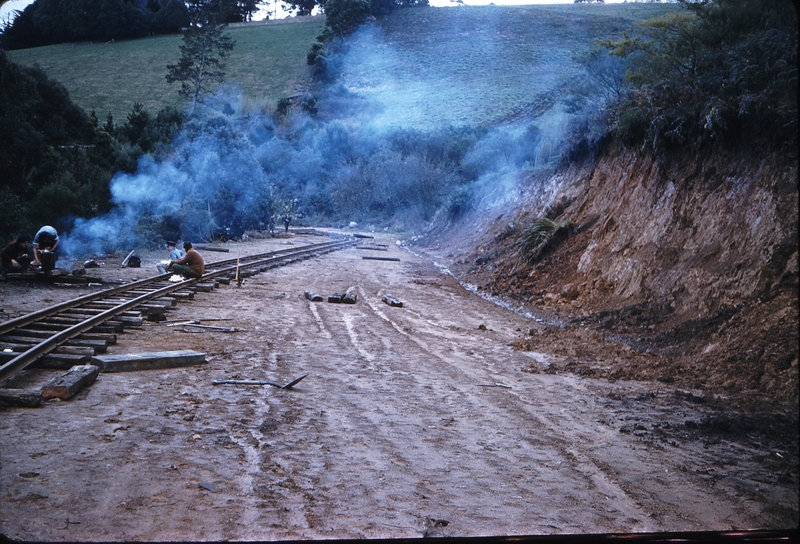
<point>450,416</point>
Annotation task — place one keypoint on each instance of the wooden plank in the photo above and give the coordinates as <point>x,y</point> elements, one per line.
<point>150,305</point>
<point>212,248</point>
<point>61,320</point>
<point>28,341</point>
<point>61,361</point>
<point>130,321</point>
<point>76,279</point>
<point>181,295</point>
<point>380,258</point>
<point>374,248</point>
<point>52,360</point>
<point>95,311</point>
<point>74,319</point>
<point>357,235</point>
<point>109,338</point>
<point>106,327</point>
<point>20,397</point>
<point>67,385</point>
<point>79,350</point>
<point>31,276</point>
<point>148,361</point>
<point>205,287</point>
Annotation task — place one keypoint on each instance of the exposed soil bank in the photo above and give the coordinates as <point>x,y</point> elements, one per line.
<point>693,265</point>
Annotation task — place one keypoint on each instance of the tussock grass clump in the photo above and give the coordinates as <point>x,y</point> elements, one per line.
<point>542,235</point>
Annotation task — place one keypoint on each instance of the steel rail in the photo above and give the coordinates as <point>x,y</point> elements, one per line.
<point>52,310</point>
<point>28,357</point>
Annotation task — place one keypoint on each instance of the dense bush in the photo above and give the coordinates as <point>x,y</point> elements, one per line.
<point>722,71</point>
<point>171,18</point>
<point>55,162</point>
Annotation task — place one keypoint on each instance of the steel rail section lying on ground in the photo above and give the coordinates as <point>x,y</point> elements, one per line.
<point>217,269</point>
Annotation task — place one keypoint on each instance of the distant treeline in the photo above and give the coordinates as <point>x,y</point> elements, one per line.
<point>47,22</point>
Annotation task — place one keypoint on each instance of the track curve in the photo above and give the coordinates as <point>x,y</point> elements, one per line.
<point>75,330</point>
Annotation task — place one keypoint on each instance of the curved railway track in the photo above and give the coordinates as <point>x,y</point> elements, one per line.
<point>74,331</point>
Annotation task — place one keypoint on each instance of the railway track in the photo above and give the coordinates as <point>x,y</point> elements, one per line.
<point>72,332</point>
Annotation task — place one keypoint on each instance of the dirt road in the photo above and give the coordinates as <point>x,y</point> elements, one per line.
<point>425,419</point>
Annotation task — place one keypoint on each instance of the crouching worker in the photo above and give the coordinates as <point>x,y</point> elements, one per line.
<point>190,265</point>
<point>16,256</point>
<point>44,248</point>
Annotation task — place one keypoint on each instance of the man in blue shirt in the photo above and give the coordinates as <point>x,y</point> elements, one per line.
<point>175,254</point>
<point>44,248</point>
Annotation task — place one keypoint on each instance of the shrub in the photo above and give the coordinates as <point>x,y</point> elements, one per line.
<point>723,71</point>
<point>541,236</point>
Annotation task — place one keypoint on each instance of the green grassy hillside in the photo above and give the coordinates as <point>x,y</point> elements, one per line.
<point>426,66</point>
<point>479,65</point>
<point>268,62</point>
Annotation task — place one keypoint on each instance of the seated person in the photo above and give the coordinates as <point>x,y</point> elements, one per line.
<point>16,256</point>
<point>175,254</point>
<point>190,265</point>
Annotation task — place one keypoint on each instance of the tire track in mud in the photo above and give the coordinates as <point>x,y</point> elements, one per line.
<point>367,337</point>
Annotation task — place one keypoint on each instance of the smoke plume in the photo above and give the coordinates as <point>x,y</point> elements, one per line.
<point>384,145</point>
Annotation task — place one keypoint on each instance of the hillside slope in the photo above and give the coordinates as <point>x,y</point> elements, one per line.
<point>691,260</point>
<point>427,66</point>
<point>479,66</point>
<point>267,63</point>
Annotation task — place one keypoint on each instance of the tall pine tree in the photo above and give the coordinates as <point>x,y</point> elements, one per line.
<point>201,65</point>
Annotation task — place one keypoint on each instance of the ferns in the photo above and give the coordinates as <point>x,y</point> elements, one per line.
<point>538,237</point>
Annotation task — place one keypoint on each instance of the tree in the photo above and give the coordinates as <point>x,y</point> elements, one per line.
<point>55,21</point>
<point>54,159</point>
<point>223,11</point>
<point>343,17</point>
<point>302,7</point>
<point>201,66</point>
<point>171,18</point>
<point>248,8</point>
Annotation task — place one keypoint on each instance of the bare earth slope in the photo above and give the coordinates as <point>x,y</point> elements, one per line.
<point>420,420</point>
<point>693,264</point>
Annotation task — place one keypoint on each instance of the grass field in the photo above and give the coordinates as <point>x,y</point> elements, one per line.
<point>479,65</point>
<point>268,62</point>
<point>425,67</point>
